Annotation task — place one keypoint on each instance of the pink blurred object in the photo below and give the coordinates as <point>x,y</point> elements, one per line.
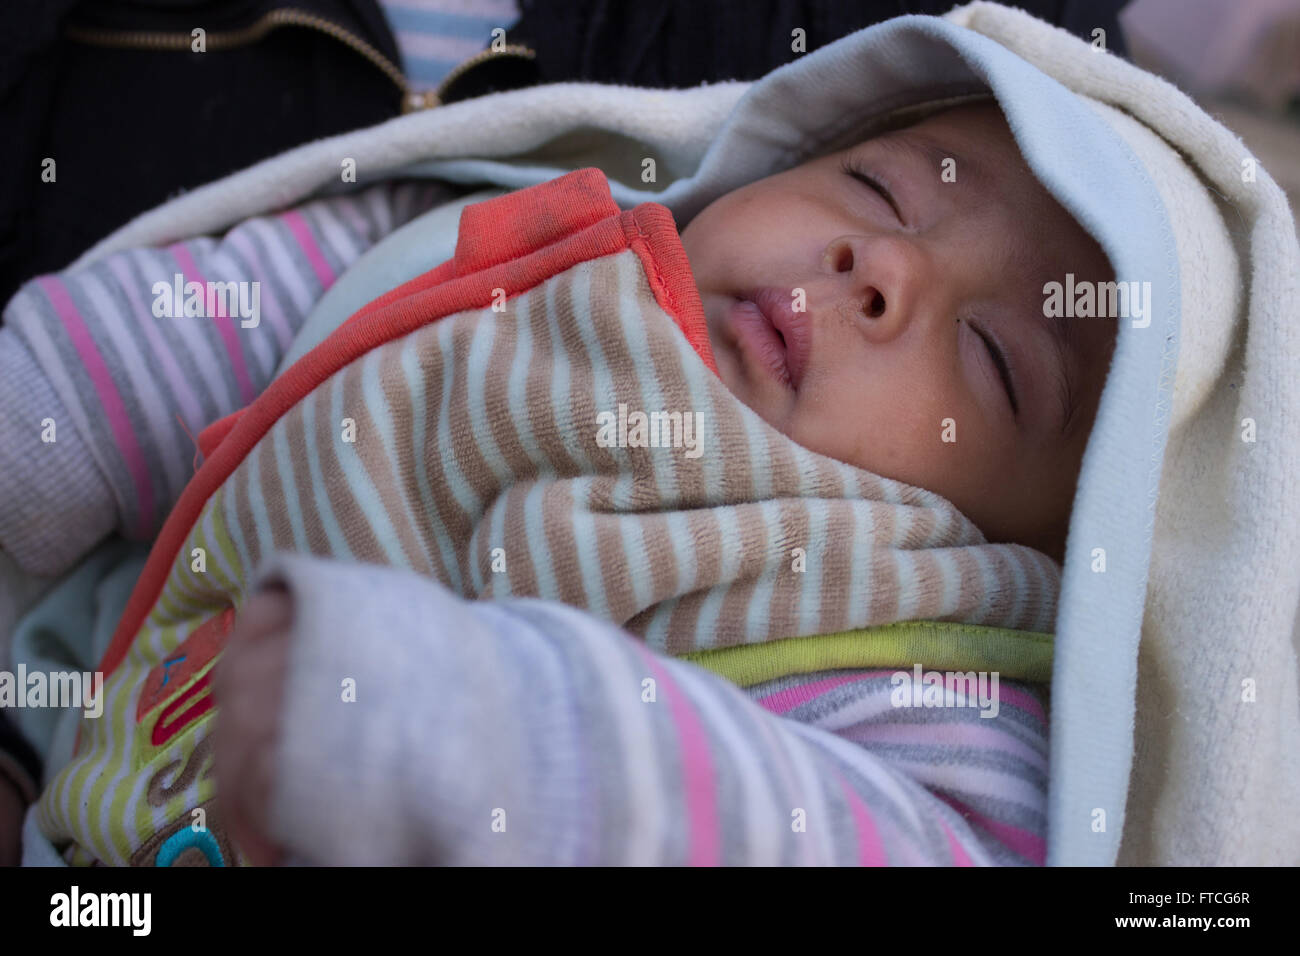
<point>1218,47</point>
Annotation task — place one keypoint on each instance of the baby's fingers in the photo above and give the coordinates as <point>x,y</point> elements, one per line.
<point>249,688</point>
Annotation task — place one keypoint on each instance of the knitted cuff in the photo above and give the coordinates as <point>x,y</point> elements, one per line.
<point>339,788</point>
<point>54,503</point>
<point>396,734</point>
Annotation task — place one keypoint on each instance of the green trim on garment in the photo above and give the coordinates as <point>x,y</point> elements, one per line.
<point>936,645</point>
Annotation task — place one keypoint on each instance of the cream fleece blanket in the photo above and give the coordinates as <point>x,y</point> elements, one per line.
<point>1215,776</point>
<point>1216,769</point>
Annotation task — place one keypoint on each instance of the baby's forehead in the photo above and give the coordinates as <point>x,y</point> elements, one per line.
<point>988,163</point>
<point>975,137</point>
<point>977,123</point>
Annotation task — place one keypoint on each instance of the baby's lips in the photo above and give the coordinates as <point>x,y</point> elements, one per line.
<point>777,306</point>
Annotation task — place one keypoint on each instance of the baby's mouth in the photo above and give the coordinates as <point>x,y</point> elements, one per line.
<point>779,337</point>
<point>758,342</point>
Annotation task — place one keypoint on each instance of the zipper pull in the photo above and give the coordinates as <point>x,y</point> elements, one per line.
<point>415,100</point>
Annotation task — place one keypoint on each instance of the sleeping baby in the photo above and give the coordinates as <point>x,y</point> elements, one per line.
<point>894,287</point>
<point>923,301</point>
<point>411,609</point>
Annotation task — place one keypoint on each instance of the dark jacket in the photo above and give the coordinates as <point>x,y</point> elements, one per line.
<point>130,120</point>
<point>677,43</point>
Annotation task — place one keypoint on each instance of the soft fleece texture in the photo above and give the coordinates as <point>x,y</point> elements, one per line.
<point>1216,779</point>
<point>622,287</point>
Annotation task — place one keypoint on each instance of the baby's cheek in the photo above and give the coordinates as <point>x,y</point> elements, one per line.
<point>947,452</point>
<point>883,444</point>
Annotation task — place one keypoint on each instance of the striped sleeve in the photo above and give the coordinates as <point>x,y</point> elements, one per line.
<point>526,732</point>
<point>107,371</point>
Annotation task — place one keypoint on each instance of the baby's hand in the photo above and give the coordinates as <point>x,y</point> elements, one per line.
<point>249,688</point>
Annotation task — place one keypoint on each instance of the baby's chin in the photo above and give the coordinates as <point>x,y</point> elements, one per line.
<point>748,388</point>
<point>768,400</point>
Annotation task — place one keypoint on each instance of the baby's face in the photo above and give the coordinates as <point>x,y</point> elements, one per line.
<point>909,293</point>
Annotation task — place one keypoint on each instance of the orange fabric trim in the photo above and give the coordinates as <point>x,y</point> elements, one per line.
<point>518,224</point>
<point>215,434</point>
<point>577,219</point>
<point>652,234</point>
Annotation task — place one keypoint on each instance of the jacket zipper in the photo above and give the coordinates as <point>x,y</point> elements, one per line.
<point>460,69</point>
<point>412,99</point>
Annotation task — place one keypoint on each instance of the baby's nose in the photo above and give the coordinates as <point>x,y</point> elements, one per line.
<point>877,272</point>
<point>874,303</point>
